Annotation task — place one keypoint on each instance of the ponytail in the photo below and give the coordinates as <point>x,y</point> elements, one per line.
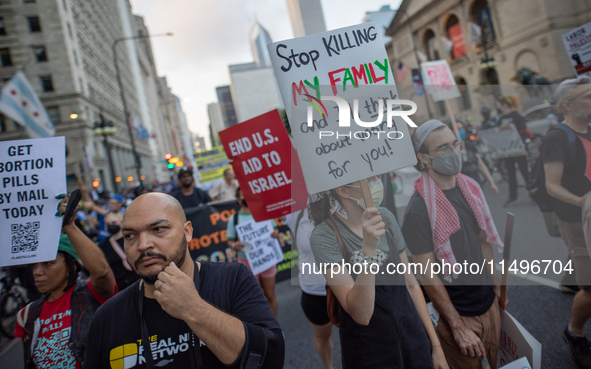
<point>320,210</point>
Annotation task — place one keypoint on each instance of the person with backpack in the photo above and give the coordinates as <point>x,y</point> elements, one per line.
<point>383,319</point>
<point>507,105</point>
<point>568,181</point>
<point>266,278</point>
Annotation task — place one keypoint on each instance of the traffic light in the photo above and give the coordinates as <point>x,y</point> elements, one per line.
<point>168,156</point>
<point>170,166</point>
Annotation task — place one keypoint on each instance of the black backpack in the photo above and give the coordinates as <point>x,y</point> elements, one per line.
<point>536,186</point>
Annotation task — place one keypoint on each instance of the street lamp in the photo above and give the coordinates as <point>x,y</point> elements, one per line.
<point>416,51</point>
<point>138,164</point>
<point>105,129</point>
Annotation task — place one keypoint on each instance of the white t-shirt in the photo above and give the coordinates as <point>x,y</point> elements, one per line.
<point>310,283</point>
<point>224,191</point>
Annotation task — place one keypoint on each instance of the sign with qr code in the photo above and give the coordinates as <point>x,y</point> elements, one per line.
<point>32,174</point>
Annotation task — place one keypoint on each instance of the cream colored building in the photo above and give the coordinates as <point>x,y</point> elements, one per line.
<point>525,33</point>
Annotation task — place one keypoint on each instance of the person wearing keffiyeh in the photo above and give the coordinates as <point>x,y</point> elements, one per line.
<point>448,221</point>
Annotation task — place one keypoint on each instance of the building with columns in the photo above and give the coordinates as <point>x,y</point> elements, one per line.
<point>500,38</point>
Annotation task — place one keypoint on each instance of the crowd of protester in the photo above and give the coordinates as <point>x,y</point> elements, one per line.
<point>142,285</point>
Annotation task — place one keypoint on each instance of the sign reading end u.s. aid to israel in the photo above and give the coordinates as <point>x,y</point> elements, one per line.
<point>32,174</point>
<point>346,117</point>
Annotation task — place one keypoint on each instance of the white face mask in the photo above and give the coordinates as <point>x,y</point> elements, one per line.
<point>377,194</point>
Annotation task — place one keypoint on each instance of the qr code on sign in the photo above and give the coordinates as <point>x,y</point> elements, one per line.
<point>25,237</point>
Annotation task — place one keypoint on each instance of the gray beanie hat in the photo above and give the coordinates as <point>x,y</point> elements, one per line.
<point>423,131</point>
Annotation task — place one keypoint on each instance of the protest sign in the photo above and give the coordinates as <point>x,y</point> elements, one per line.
<point>578,47</point>
<point>212,164</point>
<point>33,172</point>
<point>504,142</point>
<point>320,77</point>
<point>517,342</point>
<point>439,80</point>
<point>262,251</point>
<point>265,163</point>
<point>210,243</point>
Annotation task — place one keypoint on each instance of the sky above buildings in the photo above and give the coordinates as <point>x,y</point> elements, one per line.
<point>209,35</point>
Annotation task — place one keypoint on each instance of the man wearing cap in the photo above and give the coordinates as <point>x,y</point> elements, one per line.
<point>188,195</point>
<point>54,328</point>
<point>566,153</point>
<point>448,221</point>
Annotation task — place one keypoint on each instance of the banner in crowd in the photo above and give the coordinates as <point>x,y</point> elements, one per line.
<point>262,251</point>
<point>578,47</point>
<point>212,163</point>
<point>265,164</point>
<point>320,78</point>
<point>516,342</point>
<point>439,80</point>
<point>33,173</point>
<point>210,243</point>
<point>505,142</point>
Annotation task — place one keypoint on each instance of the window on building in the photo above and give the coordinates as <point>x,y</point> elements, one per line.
<point>64,5</point>
<point>54,114</point>
<point>481,18</point>
<point>75,57</point>
<point>2,123</point>
<point>40,53</point>
<point>430,45</point>
<point>5,57</point>
<point>81,85</point>
<point>455,38</point>
<point>46,83</point>
<point>28,1</point>
<point>70,31</point>
<point>34,24</point>
<point>2,28</point>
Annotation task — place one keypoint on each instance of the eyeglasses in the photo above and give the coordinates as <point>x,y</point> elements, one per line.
<point>446,150</point>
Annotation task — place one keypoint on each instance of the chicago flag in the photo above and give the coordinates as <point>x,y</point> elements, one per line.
<point>20,103</point>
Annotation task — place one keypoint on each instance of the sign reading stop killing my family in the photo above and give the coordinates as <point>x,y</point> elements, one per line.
<point>265,165</point>
<point>321,77</point>
<point>262,251</point>
<point>32,172</point>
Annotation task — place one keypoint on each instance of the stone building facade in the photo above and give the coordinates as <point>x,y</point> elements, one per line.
<point>513,34</point>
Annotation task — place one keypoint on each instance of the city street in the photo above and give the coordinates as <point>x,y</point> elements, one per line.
<point>542,309</point>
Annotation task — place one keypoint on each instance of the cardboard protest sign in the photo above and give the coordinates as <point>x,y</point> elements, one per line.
<point>265,163</point>
<point>33,172</point>
<point>578,47</point>
<point>439,80</point>
<point>262,251</point>
<point>505,142</point>
<point>517,342</point>
<point>212,164</point>
<point>320,78</point>
<point>210,243</point>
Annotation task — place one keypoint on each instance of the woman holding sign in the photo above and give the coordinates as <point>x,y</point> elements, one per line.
<point>266,278</point>
<point>383,318</point>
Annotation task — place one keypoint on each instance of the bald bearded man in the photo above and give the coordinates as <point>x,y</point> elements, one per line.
<point>191,314</point>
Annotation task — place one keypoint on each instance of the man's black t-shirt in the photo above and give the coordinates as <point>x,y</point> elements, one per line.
<point>576,177</point>
<point>471,295</point>
<point>198,197</point>
<point>115,333</point>
<point>123,277</point>
<point>519,122</point>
